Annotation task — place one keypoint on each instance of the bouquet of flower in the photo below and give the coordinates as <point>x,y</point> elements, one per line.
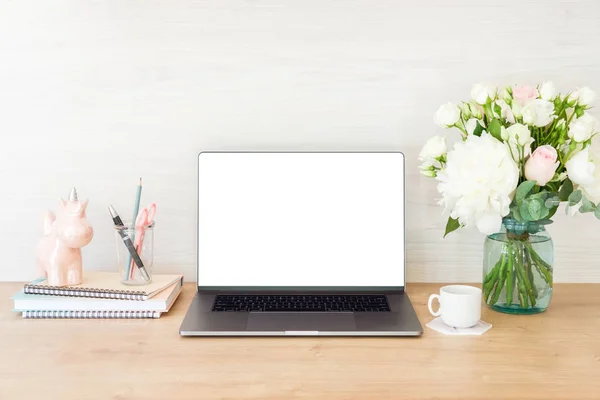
<point>524,150</point>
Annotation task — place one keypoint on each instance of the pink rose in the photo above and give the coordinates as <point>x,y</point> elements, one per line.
<point>542,165</point>
<point>523,94</point>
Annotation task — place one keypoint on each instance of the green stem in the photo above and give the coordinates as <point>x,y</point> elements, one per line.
<point>542,267</point>
<point>527,284</point>
<point>500,282</point>
<point>510,281</point>
<point>527,263</point>
<point>491,278</point>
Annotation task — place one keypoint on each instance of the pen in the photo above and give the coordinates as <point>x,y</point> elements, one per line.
<point>136,258</point>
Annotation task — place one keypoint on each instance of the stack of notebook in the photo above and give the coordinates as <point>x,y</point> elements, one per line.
<point>101,295</point>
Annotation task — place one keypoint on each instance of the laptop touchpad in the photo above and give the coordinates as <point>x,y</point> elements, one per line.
<point>300,321</point>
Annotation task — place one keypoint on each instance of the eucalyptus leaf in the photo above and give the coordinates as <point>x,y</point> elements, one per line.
<point>524,210</point>
<point>552,202</point>
<point>524,189</point>
<point>575,197</point>
<point>543,212</point>
<point>586,206</point>
<point>495,129</point>
<point>516,214</point>
<point>565,190</point>
<point>597,212</point>
<point>451,225</point>
<point>551,212</point>
<point>535,209</point>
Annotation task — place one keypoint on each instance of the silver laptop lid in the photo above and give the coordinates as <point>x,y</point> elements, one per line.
<point>270,220</point>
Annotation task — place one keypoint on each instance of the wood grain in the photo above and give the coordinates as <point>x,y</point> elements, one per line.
<point>555,355</point>
<point>97,94</point>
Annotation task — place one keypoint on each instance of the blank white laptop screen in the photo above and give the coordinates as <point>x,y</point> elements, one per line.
<point>301,220</point>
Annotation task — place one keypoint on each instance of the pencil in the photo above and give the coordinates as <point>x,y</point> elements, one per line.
<point>136,210</point>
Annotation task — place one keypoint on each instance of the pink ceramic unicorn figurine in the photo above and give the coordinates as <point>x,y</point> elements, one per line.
<point>59,252</point>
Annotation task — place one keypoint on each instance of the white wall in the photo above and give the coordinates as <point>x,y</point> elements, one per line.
<point>99,93</point>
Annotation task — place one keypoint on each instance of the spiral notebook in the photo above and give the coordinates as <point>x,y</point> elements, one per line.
<point>46,314</point>
<point>49,306</point>
<point>105,285</point>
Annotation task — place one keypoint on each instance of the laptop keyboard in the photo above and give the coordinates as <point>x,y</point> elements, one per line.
<point>301,303</point>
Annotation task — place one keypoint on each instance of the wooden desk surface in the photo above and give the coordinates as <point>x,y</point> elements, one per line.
<point>555,355</point>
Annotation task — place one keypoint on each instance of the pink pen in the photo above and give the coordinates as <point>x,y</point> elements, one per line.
<point>144,219</point>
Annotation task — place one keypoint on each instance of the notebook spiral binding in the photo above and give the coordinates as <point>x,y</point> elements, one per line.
<point>39,314</point>
<point>96,293</point>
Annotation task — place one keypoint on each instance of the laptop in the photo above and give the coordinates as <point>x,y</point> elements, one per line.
<point>301,244</point>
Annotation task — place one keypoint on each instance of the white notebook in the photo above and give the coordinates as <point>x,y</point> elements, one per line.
<point>90,314</point>
<point>48,306</point>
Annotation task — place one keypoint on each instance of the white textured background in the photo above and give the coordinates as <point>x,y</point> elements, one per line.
<point>99,93</point>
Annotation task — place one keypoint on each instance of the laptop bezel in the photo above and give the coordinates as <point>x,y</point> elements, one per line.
<point>303,289</point>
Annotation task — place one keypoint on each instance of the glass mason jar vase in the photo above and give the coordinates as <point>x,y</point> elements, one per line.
<point>517,268</point>
<point>142,240</point>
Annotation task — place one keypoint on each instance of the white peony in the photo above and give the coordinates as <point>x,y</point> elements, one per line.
<point>584,170</point>
<point>434,148</point>
<point>547,91</point>
<point>538,112</point>
<point>583,128</point>
<point>583,96</point>
<point>482,93</point>
<point>478,182</point>
<point>518,135</point>
<point>447,115</point>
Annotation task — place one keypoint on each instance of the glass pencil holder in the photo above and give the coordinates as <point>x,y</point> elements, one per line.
<point>135,246</point>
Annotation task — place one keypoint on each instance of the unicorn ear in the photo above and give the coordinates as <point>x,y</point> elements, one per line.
<point>81,207</point>
<point>61,203</point>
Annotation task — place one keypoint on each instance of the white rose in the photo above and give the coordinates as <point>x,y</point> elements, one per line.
<point>476,110</point>
<point>580,169</point>
<point>506,112</point>
<point>583,128</point>
<point>465,110</point>
<point>447,115</point>
<point>584,96</point>
<point>427,169</point>
<point>478,196</point>
<point>434,148</point>
<point>506,94</point>
<point>471,124</point>
<point>483,93</point>
<point>547,91</point>
<point>516,110</point>
<point>538,112</point>
<point>517,135</point>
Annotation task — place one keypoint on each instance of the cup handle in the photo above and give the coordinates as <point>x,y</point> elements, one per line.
<point>430,302</point>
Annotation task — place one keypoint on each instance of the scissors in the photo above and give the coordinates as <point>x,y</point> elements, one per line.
<point>144,219</point>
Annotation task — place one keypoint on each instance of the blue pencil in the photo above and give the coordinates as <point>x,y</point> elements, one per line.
<point>136,210</point>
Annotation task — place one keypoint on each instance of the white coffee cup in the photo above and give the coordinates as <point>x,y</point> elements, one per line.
<point>460,305</point>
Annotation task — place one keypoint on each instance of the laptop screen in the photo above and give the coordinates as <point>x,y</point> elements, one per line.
<point>300,220</point>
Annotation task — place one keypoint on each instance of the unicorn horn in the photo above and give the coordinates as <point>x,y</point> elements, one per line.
<point>73,195</point>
